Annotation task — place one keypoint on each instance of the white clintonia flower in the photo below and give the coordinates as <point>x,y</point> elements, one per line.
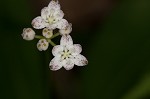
<point>47,33</point>
<point>28,34</point>
<point>51,17</point>
<point>67,30</point>
<point>42,45</point>
<point>67,55</point>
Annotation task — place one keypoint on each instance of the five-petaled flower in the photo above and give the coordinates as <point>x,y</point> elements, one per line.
<point>67,54</point>
<point>51,17</point>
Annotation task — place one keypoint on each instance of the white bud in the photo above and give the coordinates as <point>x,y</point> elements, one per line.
<point>28,34</point>
<point>67,30</point>
<point>42,45</point>
<point>47,33</point>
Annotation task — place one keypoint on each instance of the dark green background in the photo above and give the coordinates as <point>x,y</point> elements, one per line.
<point>118,52</point>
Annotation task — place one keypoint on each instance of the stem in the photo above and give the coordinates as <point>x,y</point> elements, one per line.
<point>55,35</point>
<point>39,37</point>
<point>51,42</point>
<point>48,40</point>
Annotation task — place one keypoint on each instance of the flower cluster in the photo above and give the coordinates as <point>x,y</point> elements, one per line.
<point>66,54</point>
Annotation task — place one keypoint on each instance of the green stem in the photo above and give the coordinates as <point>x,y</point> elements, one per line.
<point>39,37</point>
<point>51,42</point>
<point>55,35</point>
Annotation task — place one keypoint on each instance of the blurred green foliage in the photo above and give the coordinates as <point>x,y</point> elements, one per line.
<point>118,54</point>
<point>23,69</point>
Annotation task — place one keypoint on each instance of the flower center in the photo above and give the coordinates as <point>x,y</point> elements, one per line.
<point>51,20</point>
<point>66,54</point>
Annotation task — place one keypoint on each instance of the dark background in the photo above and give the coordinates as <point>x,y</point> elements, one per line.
<point>114,34</point>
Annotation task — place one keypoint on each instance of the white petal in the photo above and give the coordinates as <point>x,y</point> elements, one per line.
<point>56,51</point>
<point>45,12</point>
<point>38,23</point>
<point>55,64</point>
<point>58,15</point>
<point>80,60</point>
<point>54,5</point>
<point>77,48</point>
<point>68,64</point>
<point>66,40</point>
<point>62,24</point>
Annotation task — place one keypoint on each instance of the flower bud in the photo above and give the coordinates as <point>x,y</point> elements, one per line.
<point>47,33</point>
<point>67,30</point>
<point>28,34</point>
<point>42,45</point>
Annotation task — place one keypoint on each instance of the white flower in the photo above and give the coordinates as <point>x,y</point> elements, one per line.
<point>28,34</point>
<point>42,45</point>
<point>51,17</point>
<point>67,30</point>
<point>67,55</point>
<point>47,33</point>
